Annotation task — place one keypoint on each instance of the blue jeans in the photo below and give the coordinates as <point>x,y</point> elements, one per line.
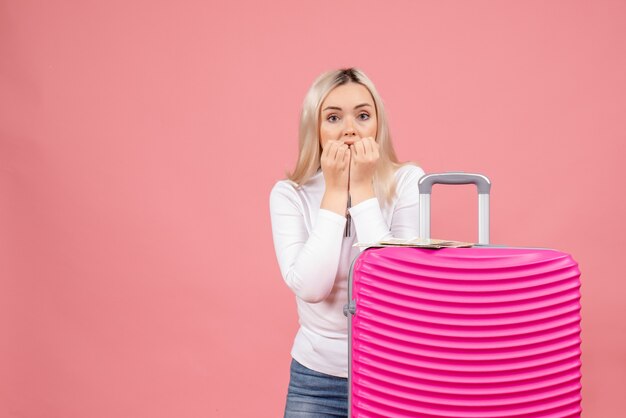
<point>313,394</point>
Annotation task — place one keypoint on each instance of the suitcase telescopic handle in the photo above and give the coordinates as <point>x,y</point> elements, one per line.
<point>425,186</point>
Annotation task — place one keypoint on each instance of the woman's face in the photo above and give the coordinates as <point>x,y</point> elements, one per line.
<point>348,114</point>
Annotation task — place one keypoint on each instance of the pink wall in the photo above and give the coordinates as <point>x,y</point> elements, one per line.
<point>139,142</point>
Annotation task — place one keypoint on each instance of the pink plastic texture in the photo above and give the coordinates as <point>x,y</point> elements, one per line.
<point>466,332</point>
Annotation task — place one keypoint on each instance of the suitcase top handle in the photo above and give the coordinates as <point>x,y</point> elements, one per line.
<point>425,186</point>
<point>427,182</point>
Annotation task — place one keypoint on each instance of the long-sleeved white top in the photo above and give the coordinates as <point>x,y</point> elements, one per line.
<point>314,258</point>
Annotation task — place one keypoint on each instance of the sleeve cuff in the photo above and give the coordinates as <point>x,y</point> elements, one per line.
<point>369,221</point>
<point>331,217</point>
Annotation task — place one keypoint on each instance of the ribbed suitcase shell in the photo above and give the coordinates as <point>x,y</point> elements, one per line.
<point>478,332</point>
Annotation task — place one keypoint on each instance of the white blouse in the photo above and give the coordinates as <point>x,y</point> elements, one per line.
<point>314,258</point>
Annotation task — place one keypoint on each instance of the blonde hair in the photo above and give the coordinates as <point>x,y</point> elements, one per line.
<point>309,133</point>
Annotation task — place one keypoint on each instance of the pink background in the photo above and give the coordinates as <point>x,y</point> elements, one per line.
<point>139,142</point>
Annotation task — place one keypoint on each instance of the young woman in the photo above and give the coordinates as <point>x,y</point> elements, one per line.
<point>347,187</point>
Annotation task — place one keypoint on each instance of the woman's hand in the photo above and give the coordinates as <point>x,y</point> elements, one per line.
<point>335,162</point>
<point>363,162</point>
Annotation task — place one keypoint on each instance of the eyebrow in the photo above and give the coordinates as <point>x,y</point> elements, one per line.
<point>356,107</point>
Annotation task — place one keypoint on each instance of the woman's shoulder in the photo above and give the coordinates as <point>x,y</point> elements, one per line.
<point>285,183</point>
<point>284,188</point>
<point>287,193</point>
<point>289,190</point>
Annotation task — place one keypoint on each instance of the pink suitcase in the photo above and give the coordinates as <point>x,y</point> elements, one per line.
<point>479,332</point>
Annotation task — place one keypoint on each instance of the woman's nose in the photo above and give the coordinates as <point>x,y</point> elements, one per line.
<point>349,136</point>
<point>348,129</point>
<point>349,133</point>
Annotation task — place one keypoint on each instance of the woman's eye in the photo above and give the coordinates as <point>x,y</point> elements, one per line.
<point>334,118</point>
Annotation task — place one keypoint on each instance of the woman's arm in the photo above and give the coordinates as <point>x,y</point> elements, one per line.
<point>368,219</point>
<point>308,263</point>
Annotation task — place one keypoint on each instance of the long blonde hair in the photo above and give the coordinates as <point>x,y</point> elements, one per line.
<point>309,133</point>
